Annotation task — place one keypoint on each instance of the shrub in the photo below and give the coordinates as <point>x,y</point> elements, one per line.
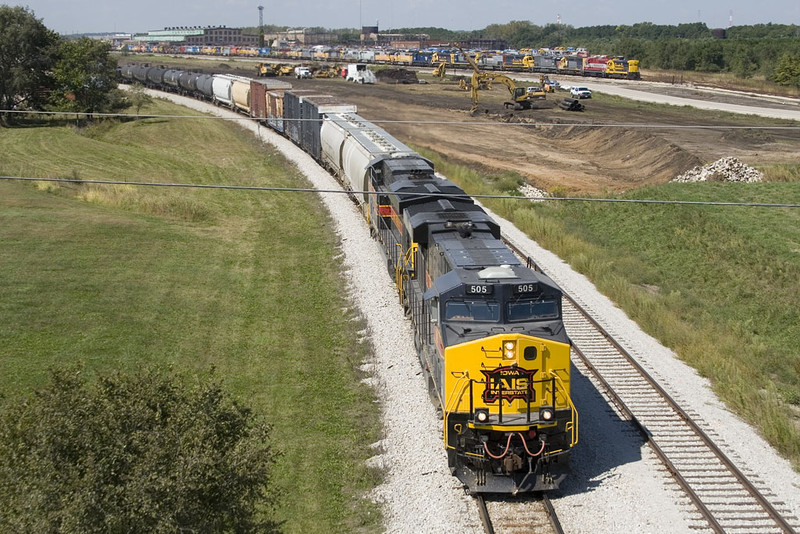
<point>145,452</point>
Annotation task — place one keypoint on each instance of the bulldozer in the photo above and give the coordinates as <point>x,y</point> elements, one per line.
<point>332,71</point>
<point>273,69</point>
<point>264,69</point>
<point>521,97</point>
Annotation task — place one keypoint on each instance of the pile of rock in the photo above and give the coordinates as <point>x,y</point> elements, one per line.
<point>722,170</point>
<point>531,192</point>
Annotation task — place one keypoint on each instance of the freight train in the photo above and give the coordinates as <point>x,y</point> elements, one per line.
<point>488,329</point>
<point>544,61</point>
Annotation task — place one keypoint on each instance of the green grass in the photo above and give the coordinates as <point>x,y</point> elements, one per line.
<point>119,277</point>
<point>719,285</point>
<point>756,84</point>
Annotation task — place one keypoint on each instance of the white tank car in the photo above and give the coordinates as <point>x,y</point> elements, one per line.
<point>350,144</point>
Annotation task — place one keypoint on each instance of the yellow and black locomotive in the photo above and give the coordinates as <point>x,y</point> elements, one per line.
<point>488,329</point>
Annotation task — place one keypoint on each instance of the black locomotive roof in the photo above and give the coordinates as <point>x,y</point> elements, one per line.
<point>410,192</point>
<point>430,216</point>
<point>481,249</point>
<point>404,168</point>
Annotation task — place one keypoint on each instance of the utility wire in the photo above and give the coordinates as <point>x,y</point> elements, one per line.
<point>421,123</point>
<point>400,194</point>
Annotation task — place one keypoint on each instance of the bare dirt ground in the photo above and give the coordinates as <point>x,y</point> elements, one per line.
<point>611,146</point>
<point>576,152</point>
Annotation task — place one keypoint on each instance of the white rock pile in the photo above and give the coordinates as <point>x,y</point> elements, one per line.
<point>531,192</point>
<point>723,170</point>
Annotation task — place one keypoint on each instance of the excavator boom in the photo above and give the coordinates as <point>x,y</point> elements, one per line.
<point>521,98</point>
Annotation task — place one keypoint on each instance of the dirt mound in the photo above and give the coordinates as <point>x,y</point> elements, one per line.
<point>397,76</point>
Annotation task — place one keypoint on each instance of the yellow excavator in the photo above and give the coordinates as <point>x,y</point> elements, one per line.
<point>440,69</point>
<point>521,97</point>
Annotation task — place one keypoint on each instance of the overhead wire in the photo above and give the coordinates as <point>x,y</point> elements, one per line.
<point>414,122</point>
<point>400,194</point>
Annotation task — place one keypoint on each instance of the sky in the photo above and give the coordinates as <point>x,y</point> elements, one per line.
<point>90,16</point>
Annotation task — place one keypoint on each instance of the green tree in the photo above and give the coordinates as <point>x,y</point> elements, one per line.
<point>84,76</point>
<point>743,61</point>
<point>138,97</point>
<point>145,452</point>
<point>27,51</point>
<point>787,71</point>
<point>709,55</point>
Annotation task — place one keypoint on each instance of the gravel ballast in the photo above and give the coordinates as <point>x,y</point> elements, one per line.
<point>616,484</point>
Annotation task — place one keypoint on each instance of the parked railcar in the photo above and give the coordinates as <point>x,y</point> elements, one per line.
<point>187,81</point>
<point>205,84</point>
<point>171,79</point>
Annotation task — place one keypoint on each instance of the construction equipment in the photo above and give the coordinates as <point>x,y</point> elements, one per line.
<point>264,69</point>
<point>521,97</point>
<point>284,70</point>
<point>545,84</point>
<point>332,71</point>
<point>274,69</point>
<point>440,69</point>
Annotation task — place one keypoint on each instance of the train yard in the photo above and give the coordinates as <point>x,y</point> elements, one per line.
<point>695,495</point>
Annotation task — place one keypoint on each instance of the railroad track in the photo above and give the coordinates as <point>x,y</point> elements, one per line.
<point>726,498</point>
<point>525,515</point>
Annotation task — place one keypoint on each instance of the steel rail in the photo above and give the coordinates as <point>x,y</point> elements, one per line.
<point>758,497</point>
<point>551,513</point>
<point>484,514</point>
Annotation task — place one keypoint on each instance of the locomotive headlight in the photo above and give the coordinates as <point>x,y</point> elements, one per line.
<point>547,413</point>
<point>509,347</point>
<point>481,415</point>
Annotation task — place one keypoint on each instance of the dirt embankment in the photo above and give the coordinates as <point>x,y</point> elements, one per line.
<point>542,144</point>
<point>603,148</point>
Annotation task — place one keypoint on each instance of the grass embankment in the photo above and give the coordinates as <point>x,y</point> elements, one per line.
<point>718,285</point>
<point>118,277</point>
<point>755,84</point>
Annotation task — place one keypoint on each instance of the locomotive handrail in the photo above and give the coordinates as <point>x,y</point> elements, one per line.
<point>572,426</point>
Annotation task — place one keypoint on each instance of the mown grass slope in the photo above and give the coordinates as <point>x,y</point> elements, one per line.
<point>116,277</point>
<point>720,285</point>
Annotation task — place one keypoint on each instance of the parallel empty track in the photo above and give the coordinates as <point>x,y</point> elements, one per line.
<point>727,500</point>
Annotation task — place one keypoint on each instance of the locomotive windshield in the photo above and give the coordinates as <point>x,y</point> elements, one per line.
<point>482,311</point>
<point>532,310</point>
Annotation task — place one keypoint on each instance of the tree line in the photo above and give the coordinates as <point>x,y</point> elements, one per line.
<point>41,70</point>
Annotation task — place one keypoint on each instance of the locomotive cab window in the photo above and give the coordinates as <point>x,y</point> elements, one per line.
<point>481,311</point>
<point>532,310</point>
<point>434,303</point>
